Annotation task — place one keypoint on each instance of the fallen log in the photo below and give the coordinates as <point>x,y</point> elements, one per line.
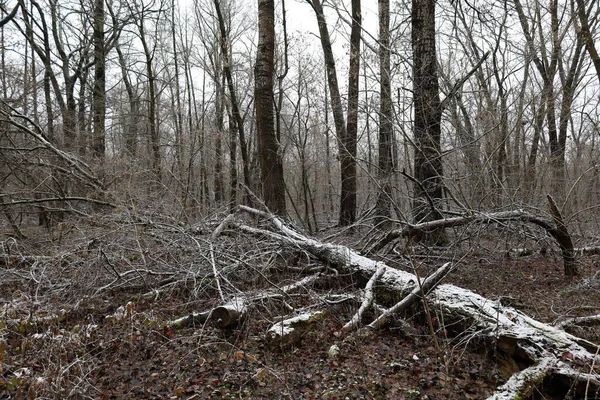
<point>521,339</point>
<point>189,320</point>
<point>589,250</point>
<point>522,384</point>
<point>589,320</point>
<point>289,332</point>
<point>224,316</point>
<point>412,297</point>
<point>552,372</point>
<point>555,228</point>
<point>231,313</point>
<point>367,300</point>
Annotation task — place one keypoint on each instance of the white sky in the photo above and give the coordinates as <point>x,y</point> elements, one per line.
<point>301,17</point>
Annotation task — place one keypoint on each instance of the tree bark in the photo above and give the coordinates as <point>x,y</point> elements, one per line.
<point>590,45</point>
<point>99,91</point>
<point>428,191</point>
<point>386,115</point>
<point>348,142</point>
<point>348,190</point>
<point>153,132</point>
<point>269,148</point>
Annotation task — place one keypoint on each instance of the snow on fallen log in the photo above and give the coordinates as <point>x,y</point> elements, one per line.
<point>367,300</point>
<point>224,316</point>
<point>290,331</point>
<point>522,384</point>
<point>229,314</point>
<point>590,320</point>
<point>190,320</point>
<point>412,297</point>
<point>549,371</point>
<point>555,228</point>
<point>523,339</point>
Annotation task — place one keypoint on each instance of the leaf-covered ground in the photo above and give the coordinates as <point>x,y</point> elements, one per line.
<point>85,315</point>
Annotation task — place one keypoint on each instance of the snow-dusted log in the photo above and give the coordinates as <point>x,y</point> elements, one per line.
<point>552,372</point>
<point>229,314</point>
<point>412,297</point>
<point>223,316</point>
<point>523,340</point>
<point>290,331</point>
<point>555,228</point>
<point>522,384</point>
<point>589,250</point>
<point>189,320</point>
<point>367,300</point>
<point>589,320</point>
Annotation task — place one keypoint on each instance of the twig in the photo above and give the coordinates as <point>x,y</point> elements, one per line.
<point>587,385</point>
<point>215,272</point>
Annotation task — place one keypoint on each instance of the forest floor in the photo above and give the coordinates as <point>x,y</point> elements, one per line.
<point>85,314</point>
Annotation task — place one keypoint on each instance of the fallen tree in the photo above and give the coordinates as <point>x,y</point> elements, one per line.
<point>555,228</point>
<point>523,346</point>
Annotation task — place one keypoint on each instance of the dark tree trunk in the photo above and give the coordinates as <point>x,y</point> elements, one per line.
<point>428,113</point>
<point>152,106</point>
<point>348,142</point>
<point>233,174</point>
<point>386,127</point>
<point>269,150</point>
<point>99,91</point>
<point>588,36</point>
<point>219,110</point>
<point>348,190</point>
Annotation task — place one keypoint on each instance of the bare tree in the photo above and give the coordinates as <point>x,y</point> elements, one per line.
<point>386,114</point>
<point>583,15</point>
<point>428,190</point>
<point>142,13</point>
<point>271,163</point>
<point>346,144</point>
<point>234,103</point>
<point>99,92</point>
<point>549,62</point>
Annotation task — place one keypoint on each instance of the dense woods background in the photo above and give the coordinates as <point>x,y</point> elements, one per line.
<point>156,101</point>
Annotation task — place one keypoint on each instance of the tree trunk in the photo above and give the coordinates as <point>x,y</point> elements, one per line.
<point>233,174</point>
<point>152,106</point>
<point>348,142</point>
<point>178,113</point>
<point>386,115</point>
<point>219,183</point>
<point>348,191</point>
<point>269,148</point>
<point>590,45</point>
<point>99,92</point>
<point>131,121</point>
<point>428,114</point>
